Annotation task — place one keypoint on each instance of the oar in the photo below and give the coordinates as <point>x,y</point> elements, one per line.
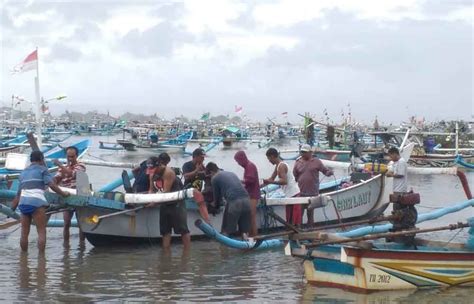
<point>96,219</point>
<point>388,234</point>
<point>9,224</point>
<point>15,222</point>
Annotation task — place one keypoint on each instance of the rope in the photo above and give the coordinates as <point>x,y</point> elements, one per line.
<point>456,234</point>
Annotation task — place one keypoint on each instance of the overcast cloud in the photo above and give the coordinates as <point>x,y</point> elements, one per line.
<point>390,59</point>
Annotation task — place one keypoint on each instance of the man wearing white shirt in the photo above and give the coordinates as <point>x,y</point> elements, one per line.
<point>398,171</point>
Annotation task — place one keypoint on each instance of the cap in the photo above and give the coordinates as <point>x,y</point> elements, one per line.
<point>199,152</point>
<point>305,148</point>
<point>211,167</point>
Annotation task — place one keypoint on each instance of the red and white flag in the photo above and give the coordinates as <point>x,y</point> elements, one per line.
<point>44,109</point>
<point>30,63</point>
<point>238,109</point>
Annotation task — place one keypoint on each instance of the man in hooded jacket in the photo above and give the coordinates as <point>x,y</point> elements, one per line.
<point>252,185</point>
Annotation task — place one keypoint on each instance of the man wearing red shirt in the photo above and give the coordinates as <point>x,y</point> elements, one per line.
<point>306,172</point>
<point>252,185</point>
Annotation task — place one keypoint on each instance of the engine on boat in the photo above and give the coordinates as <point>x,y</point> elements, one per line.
<point>405,216</point>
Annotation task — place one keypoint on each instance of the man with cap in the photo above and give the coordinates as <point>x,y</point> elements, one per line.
<point>228,187</point>
<point>306,172</point>
<point>194,175</point>
<point>172,216</point>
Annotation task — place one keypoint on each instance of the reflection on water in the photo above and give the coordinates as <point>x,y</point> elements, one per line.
<point>208,272</point>
<point>456,295</point>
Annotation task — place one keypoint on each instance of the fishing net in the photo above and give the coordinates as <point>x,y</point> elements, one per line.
<point>470,240</point>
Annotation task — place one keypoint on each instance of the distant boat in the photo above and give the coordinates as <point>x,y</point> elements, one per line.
<point>56,153</point>
<point>362,200</point>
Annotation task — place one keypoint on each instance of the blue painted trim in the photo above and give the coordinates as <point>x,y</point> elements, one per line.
<point>333,266</point>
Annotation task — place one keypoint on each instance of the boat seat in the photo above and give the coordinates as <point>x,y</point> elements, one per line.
<point>356,177</point>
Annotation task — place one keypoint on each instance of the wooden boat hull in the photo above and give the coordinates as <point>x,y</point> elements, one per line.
<point>355,203</point>
<point>143,226</point>
<point>364,200</point>
<point>367,270</point>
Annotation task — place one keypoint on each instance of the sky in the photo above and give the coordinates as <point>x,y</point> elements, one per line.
<point>390,59</point>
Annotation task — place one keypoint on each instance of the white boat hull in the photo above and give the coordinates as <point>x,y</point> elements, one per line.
<point>361,201</point>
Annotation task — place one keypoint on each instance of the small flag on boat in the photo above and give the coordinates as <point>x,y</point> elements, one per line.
<point>205,116</point>
<point>238,109</point>
<point>28,64</point>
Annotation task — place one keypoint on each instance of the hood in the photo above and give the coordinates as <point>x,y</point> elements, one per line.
<point>241,158</point>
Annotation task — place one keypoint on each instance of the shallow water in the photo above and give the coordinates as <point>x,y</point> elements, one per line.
<point>208,272</point>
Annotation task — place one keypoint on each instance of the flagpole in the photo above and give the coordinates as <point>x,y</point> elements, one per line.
<point>38,104</point>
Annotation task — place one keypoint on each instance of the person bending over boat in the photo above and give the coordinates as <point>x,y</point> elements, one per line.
<point>227,187</point>
<point>173,216</point>
<point>66,177</point>
<point>194,174</point>
<point>251,184</point>
<point>141,182</point>
<point>283,177</point>
<point>306,172</point>
<point>31,201</point>
<point>398,172</point>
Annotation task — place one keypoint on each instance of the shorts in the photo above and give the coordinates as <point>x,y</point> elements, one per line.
<point>236,213</point>
<point>28,209</point>
<point>173,217</point>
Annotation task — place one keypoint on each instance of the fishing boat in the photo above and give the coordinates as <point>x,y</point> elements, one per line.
<point>234,137</point>
<point>12,145</point>
<point>126,219</point>
<point>111,146</point>
<point>388,266</point>
<point>177,144</point>
<point>18,162</point>
<point>124,223</point>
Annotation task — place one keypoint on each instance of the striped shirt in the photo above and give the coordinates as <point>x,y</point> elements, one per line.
<point>66,179</point>
<point>33,182</point>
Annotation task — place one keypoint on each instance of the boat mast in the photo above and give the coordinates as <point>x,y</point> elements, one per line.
<point>38,105</point>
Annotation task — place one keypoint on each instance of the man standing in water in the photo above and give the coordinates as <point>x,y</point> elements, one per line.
<point>32,202</point>
<point>252,186</point>
<point>227,186</point>
<point>66,177</point>
<point>283,177</point>
<point>306,172</point>
<point>172,216</point>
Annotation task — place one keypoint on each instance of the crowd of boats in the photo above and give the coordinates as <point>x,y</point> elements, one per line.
<point>359,259</point>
